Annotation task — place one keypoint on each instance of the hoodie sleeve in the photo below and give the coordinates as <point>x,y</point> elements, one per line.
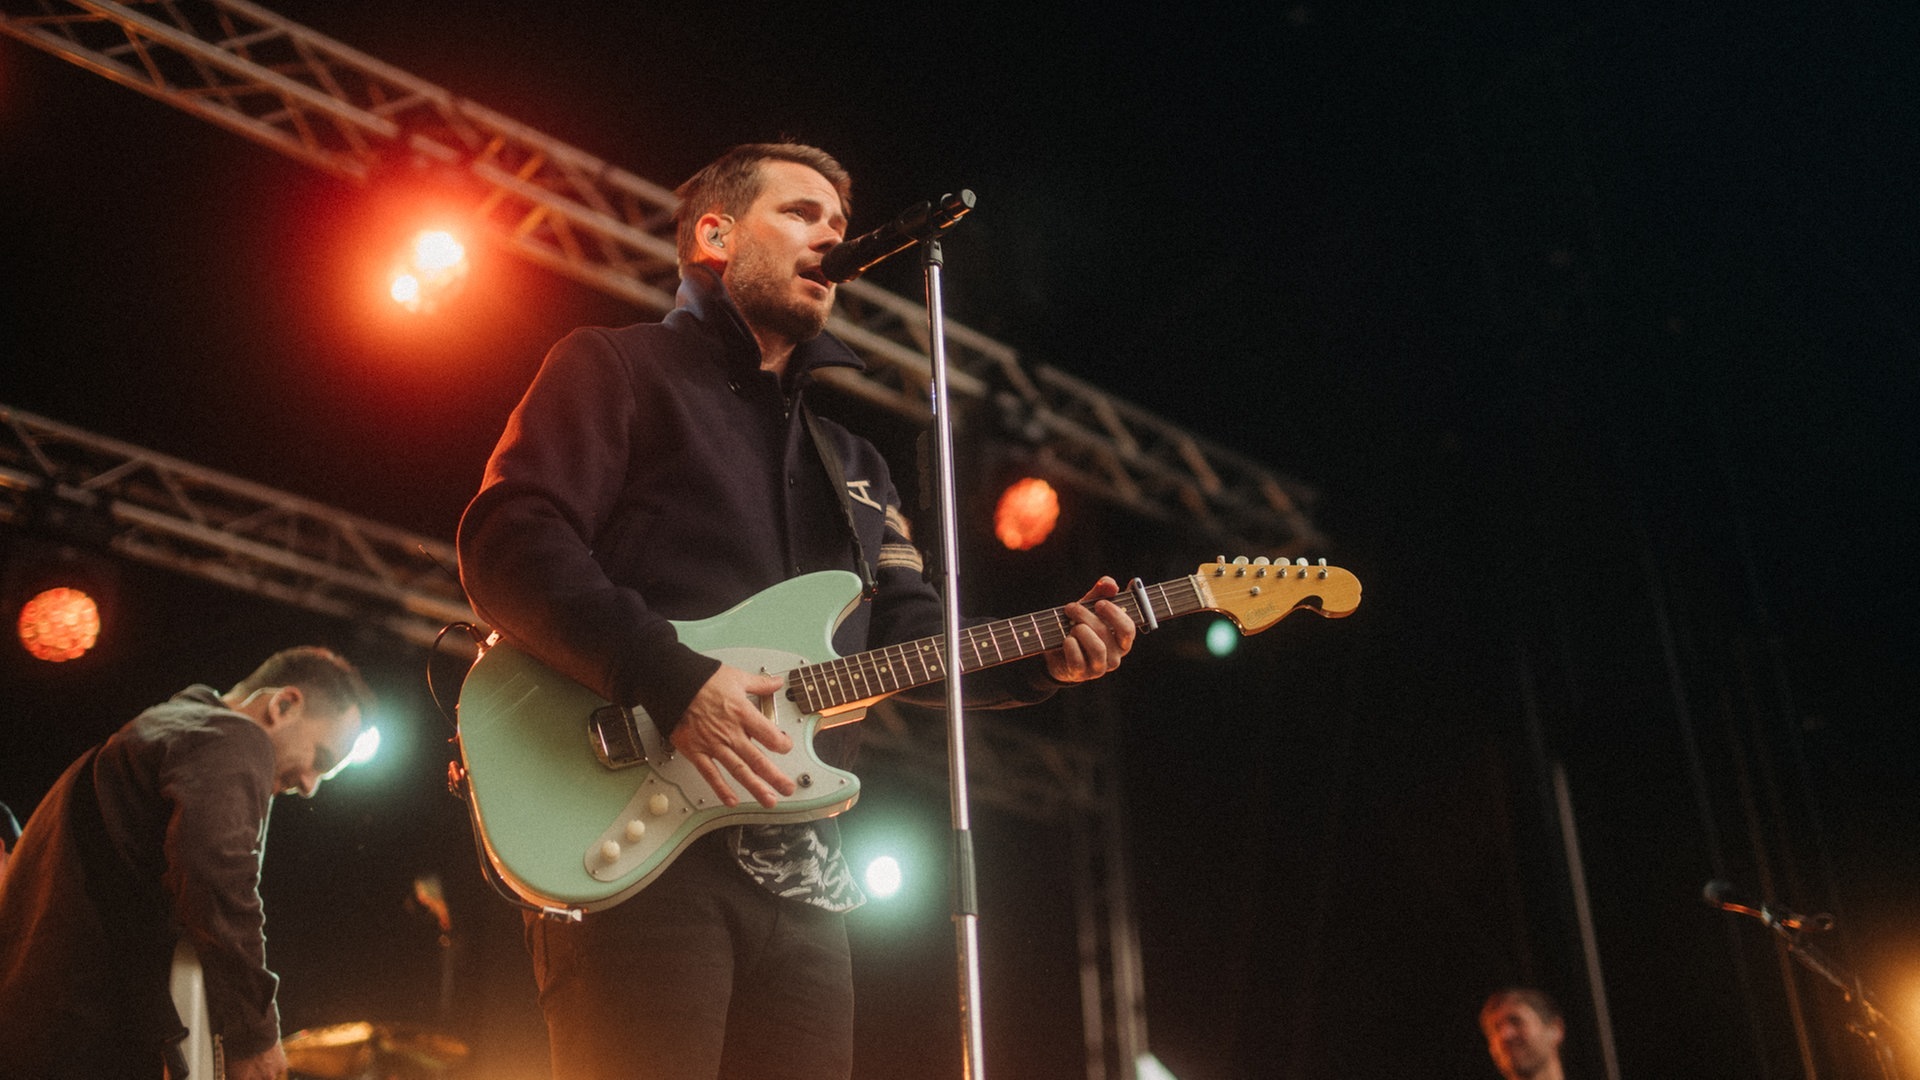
<point>217,790</point>
<point>526,540</point>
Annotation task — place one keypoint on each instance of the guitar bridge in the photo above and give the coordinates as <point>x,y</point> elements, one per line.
<point>615,738</point>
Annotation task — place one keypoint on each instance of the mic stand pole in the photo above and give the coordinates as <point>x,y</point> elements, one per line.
<point>1873,1026</point>
<point>966,912</point>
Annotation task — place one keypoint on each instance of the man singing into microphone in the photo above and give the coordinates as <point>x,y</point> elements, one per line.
<point>667,472</point>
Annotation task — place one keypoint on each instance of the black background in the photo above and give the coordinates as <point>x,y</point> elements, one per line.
<point>1591,324</point>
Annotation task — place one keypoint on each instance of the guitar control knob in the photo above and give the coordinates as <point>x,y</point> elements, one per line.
<point>610,851</point>
<point>635,830</point>
<point>658,804</point>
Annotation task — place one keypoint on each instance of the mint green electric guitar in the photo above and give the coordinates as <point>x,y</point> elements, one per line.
<point>579,803</point>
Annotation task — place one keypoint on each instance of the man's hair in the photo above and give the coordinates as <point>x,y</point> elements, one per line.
<point>1539,1001</point>
<point>731,183</point>
<point>321,673</point>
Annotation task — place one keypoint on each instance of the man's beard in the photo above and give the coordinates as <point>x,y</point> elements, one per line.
<point>764,294</point>
<point>1526,1060</point>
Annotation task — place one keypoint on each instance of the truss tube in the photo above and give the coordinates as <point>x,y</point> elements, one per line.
<point>1139,460</point>
<point>169,513</point>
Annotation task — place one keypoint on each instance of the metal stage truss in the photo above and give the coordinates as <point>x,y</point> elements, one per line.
<point>63,483</point>
<point>322,102</point>
<point>339,110</point>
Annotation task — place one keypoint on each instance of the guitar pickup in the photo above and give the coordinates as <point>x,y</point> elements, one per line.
<point>615,738</point>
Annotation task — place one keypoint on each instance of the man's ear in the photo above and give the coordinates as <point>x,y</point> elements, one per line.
<point>710,238</point>
<point>285,700</point>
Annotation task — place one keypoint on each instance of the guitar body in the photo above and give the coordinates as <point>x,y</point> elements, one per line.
<point>563,828</point>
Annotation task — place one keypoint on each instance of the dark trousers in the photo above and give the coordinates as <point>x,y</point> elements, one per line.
<point>702,975</point>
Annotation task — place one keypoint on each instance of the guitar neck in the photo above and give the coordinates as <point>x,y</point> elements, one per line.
<point>868,676</point>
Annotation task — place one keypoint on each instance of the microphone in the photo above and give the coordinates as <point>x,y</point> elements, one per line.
<point>923,221</point>
<point>1723,895</point>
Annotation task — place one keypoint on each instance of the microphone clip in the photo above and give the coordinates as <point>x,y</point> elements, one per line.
<point>1720,894</point>
<point>918,223</point>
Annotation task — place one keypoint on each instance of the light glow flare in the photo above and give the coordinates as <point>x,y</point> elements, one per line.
<point>884,877</point>
<point>436,251</point>
<point>365,746</point>
<point>429,271</point>
<point>1222,638</point>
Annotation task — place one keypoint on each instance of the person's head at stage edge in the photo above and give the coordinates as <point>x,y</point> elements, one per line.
<point>762,217</point>
<point>312,703</point>
<point>1524,1029</point>
<point>9,833</point>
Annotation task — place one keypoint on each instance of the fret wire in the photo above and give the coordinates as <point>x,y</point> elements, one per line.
<point>809,689</point>
<point>910,654</point>
<point>891,671</point>
<point>996,636</point>
<point>993,638</point>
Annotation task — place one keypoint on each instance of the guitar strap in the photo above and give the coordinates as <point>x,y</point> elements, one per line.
<point>838,477</point>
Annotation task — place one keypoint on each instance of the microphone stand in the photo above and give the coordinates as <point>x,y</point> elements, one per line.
<point>1873,1025</point>
<point>924,224</point>
<point>966,912</point>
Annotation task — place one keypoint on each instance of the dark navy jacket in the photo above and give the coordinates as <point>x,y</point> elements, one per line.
<point>655,472</point>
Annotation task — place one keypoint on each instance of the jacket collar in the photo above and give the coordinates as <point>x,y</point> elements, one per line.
<point>702,297</point>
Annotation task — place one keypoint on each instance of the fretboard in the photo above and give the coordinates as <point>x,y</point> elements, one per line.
<point>879,672</point>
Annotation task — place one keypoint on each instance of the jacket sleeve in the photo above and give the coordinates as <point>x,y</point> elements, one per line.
<point>526,540</point>
<point>218,790</point>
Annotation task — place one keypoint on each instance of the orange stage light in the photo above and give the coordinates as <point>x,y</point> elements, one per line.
<point>430,271</point>
<point>1027,512</point>
<point>59,625</point>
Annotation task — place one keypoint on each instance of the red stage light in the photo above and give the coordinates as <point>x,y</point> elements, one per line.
<point>1026,515</point>
<point>59,624</point>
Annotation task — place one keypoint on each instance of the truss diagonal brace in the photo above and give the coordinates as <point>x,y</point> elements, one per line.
<point>238,65</point>
<point>166,512</point>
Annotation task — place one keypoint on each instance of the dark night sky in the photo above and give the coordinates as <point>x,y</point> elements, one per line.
<point>1591,324</point>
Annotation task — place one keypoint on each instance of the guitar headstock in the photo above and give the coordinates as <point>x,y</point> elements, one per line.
<point>1257,593</point>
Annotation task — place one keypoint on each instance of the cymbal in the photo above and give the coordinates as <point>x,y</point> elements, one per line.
<point>357,1050</point>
